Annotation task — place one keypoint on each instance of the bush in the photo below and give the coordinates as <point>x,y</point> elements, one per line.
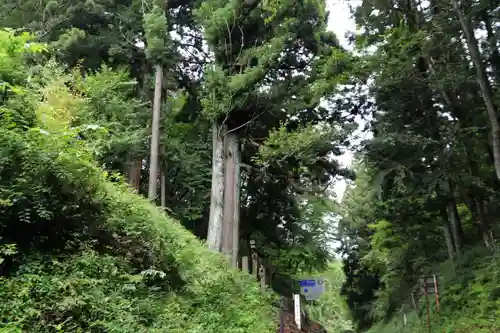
<point>93,256</point>
<point>469,297</point>
<point>80,252</point>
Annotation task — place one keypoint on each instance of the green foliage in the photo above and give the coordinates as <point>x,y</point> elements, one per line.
<point>7,250</point>
<point>13,51</point>
<point>69,39</point>
<point>93,256</point>
<point>216,98</point>
<point>427,192</point>
<point>110,105</point>
<point>330,310</point>
<point>468,296</point>
<point>187,157</point>
<point>301,144</point>
<point>155,27</point>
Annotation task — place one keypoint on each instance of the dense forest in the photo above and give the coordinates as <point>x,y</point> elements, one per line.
<point>425,199</point>
<point>144,144</point>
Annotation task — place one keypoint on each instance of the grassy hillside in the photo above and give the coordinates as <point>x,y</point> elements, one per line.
<point>84,254</point>
<point>81,253</point>
<point>470,299</point>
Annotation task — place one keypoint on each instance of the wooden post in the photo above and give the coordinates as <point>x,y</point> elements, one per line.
<point>255,260</point>
<point>282,319</point>
<point>436,291</point>
<point>244,264</point>
<point>297,311</point>
<point>427,305</point>
<point>262,276</point>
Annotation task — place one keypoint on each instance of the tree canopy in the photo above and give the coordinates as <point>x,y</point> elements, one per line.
<point>425,198</point>
<point>78,82</point>
<point>230,117</point>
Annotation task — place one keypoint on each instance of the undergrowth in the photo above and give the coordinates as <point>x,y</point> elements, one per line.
<point>469,299</point>
<point>83,254</point>
<point>331,310</point>
<point>79,250</point>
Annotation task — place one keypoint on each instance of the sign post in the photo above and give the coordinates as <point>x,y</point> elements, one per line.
<point>312,288</point>
<point>296,301</point>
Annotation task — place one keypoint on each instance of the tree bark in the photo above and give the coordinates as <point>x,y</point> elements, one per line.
<point>155,135</point>
<point>484,85</point>
<point>449,241</point>
<point>134,174</point>
<point>227,229</point>
<point>237,203</point>
<point>215,223</point>
<point>230,235</point>
<point>456,226</point>
<point>163,188</point>
<point>484,225</point>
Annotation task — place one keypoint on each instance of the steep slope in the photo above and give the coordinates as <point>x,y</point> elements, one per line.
<point>469,299</point>
<point>91,255</point>
<point>79,251</point>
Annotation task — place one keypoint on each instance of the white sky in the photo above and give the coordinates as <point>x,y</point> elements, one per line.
<point>340,22</point>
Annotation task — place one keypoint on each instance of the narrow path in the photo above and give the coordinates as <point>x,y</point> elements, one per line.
<point>290,326</point>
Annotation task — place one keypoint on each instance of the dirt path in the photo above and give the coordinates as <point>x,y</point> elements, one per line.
<point>290,326</point>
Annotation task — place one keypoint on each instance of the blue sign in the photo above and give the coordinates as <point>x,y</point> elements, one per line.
<point>312,289</point>
<point>307,283</point>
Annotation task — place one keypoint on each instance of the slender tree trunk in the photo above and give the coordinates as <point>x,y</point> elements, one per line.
<point>227,229</point>
<point>134,174</point>
<point>155,135</point>
<point>215,223</point>
<point>136,165</point>
<point>483,82</point>
<point>456,226</point>
<point>163,188</point>
<point>471,202</point>
<point>230,236</point>
<point>476,206</point>
<point>237,203</point>
<point>449,241</point>
<point>484,224</point>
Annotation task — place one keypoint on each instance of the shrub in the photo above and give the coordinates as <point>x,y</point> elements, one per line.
<point>80,252</point>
